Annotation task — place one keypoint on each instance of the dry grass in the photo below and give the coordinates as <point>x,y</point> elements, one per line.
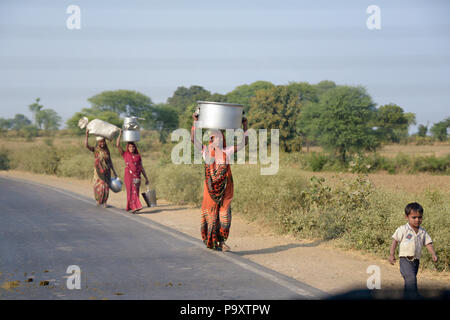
<point>409,183</point>
<point>438,149</point>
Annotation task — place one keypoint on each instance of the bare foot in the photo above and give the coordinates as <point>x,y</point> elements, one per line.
<point>224,247</point>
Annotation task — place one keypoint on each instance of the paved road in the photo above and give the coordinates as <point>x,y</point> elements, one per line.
<point>43,230</point>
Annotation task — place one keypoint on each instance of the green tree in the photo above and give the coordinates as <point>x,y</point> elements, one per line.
<point>122,102</point>
<point>440,129</point>
<point>48,119</point>
<point>163,118</point>
<point>393,122</point>
<point>6,124</point>
<point>277,108</point>
<point>243,93</point>
<point>19,121</point>
<point>341,121</point>
<point>422,130</point>
<point>183,97</point>
<point>35,108</point>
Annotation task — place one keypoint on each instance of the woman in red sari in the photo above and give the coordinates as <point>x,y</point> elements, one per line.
<point>132,177</point>
<point>218,187</point>
<point>102,171</point>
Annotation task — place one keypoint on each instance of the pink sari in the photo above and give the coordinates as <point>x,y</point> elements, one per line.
<point>132,177</point>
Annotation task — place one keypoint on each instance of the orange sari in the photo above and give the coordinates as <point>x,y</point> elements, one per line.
<point>216,205</point>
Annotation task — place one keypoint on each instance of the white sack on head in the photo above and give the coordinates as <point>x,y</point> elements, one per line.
<point>102,128</point>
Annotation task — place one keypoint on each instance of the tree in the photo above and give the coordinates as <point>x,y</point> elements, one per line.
<point>122,102</point>
<point>277,108</point>
<point>393,122</point>
<point>6,124</point>
<point>183,97</point>
<point>341,121</point>
<point>440,129</point>
<point>243,93</point>
<point>422,130</point>
<point>48,119</point>
<point>163,118</point>
<point>35,108</point>
<point>19,121</point>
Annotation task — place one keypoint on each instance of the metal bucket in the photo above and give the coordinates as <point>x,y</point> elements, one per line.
<point>150,197</point>
<point>219,115</point>
<point>131,135</point>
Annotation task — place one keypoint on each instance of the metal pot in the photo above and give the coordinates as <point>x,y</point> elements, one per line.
<point>131,135</point>
<point>219,115</point>
<point>130,123</point>
<point>115,185</point>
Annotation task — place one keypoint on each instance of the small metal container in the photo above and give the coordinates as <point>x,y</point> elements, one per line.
<point>115,185</point>
<point>219,115</point>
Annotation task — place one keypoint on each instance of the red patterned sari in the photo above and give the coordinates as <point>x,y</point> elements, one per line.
<point>102,174</point>
<point>217,196</point>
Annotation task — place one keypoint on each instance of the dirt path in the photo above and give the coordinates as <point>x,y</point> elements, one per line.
<point>316,263</point>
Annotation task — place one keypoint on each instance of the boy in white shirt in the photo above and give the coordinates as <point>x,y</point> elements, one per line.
<point>411,237</point>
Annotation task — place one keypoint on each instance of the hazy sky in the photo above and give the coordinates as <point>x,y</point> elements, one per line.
<point>155,46</point>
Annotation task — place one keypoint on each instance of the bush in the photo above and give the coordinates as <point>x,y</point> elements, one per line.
<point>43,159</point>
<point>266,196</point>
<point>180,184</point>
<point>4,159</point>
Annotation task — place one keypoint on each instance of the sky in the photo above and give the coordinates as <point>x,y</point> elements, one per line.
<point>156,46</point>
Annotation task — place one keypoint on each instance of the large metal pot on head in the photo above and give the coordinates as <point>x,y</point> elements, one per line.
<point>219,115</point>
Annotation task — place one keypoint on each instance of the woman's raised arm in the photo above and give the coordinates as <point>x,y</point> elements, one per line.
<point>118,143</point>
<point>86,142</point>
<point>197,144</point>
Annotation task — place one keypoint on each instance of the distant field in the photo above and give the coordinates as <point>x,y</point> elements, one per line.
<point>437,149</point>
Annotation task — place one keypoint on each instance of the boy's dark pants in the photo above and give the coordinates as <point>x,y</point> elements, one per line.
<point>409,270</point>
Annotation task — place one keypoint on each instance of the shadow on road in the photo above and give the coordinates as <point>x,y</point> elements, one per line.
<point>279,248</point>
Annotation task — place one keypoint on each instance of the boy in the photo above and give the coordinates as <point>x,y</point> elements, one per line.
<point>411,238</point>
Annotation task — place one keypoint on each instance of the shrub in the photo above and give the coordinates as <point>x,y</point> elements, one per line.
<point>42,159</point>
<point>180,184</point>
<point>4,159</point>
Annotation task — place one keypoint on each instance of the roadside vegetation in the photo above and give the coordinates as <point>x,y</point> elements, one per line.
<point>346,208</point>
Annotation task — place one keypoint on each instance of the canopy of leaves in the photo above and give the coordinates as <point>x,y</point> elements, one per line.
<point>242,94</point>
<point>183,97</point>
<point>440,129</point>
<point>341,121</point>
<point>122,102</point>
<point>392,122</point>
<point>277,108</point>
<point>19,121</point>
<point>422,130</point>
<point>48,119</point>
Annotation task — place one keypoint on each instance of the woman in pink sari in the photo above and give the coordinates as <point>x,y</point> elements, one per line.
<point>132,177</point>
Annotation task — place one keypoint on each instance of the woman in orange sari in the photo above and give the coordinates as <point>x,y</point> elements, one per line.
<point>102,171</point>
<point>218,188</point>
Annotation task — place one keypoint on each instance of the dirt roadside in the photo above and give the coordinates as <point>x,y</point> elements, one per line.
<point>316,263</point>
